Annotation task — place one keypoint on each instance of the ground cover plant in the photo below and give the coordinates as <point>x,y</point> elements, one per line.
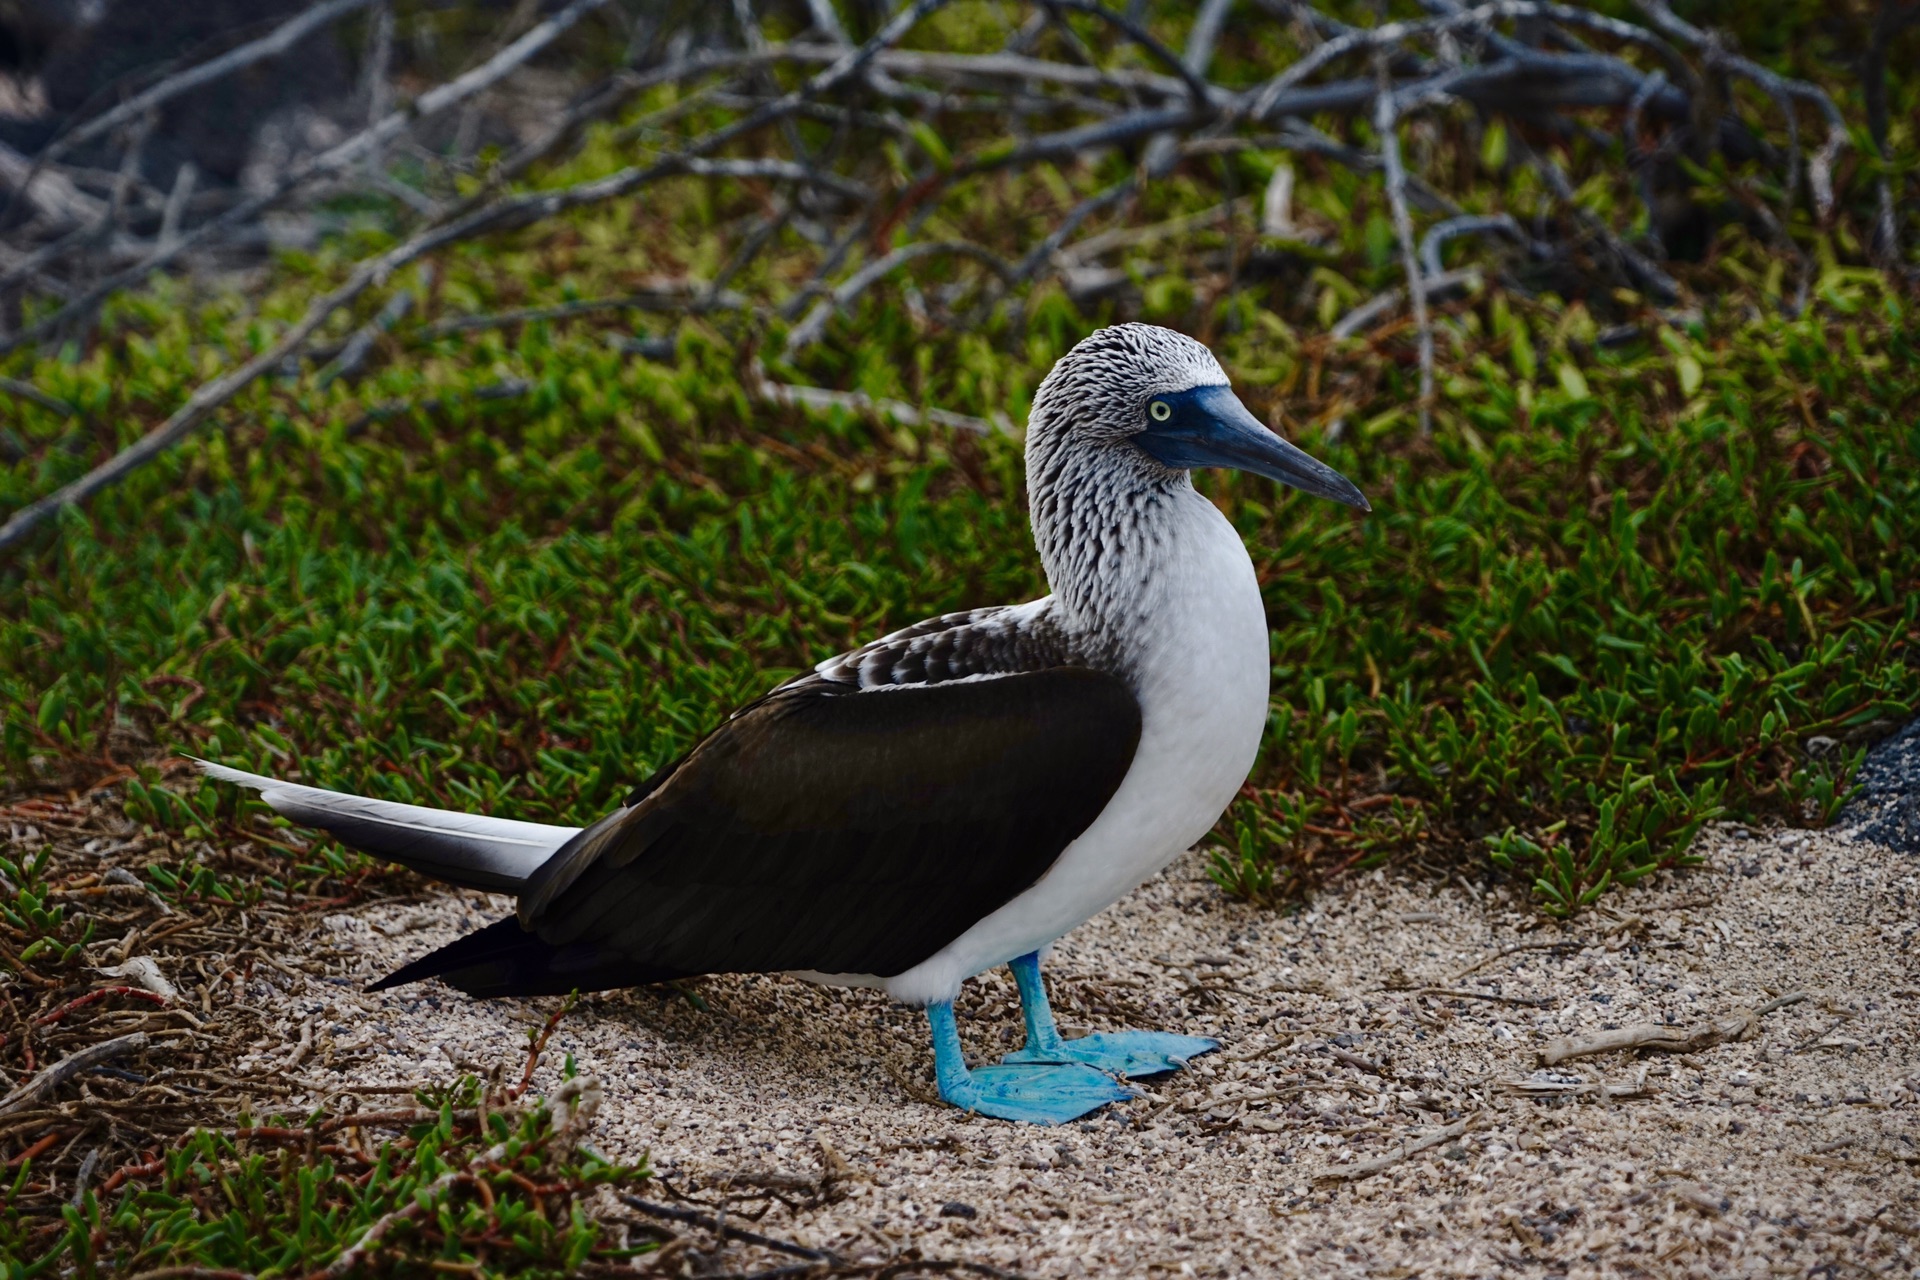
<point>169,1164</point>
<point>1654,562</point>
<point>386,1191</point>
<point>1626,596</point>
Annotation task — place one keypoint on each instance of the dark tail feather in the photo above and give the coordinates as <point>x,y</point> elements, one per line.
<point>505,960</point>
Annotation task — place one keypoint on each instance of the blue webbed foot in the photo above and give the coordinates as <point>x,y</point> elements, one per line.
<point>1038,1093</point>
<point>1042,1093</point>
<point>1122,1053</point>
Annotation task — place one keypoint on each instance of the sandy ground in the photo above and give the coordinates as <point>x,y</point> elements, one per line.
<point>1386,1011</point>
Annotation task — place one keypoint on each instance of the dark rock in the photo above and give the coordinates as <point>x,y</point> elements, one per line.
<point>956,1209</point>
<point>1887,810</point>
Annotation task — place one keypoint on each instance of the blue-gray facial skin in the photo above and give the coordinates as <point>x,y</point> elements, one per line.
<point>1209,427</point>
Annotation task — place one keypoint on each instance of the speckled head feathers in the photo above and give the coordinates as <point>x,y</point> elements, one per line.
<point>1097,500</point>
<point>1098,391</point>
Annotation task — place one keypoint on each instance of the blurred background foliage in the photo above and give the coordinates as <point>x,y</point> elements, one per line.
<point>1653,564</point>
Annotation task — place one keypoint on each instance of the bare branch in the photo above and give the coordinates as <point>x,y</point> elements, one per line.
<point>504,389</point>
<point>53,194</point>
<point>67,1068</point>
<point>1441,232</point>
<point>1888,19</point>
<point>1044,252</point>
<point>672,296</point>
<point>1199,91</point>
<point>1779,87</point>
<point>820,398</point>
<point>1643,272</point>
<point>503,214</point>
<point>29,266</point>
<point>868,218</point>
<point>1198,56</point>
<point>27,391</point>
<point>827,22</point>
<point>1262,103</point>
<point>1384,303</point>
<point>354,354</point>
<point>184,179</point>
<point>1737,1025</point>
<point>334,160</point>
<point>1641,162</point>
<point>809,330</point>
<point>275,43</point>
<point>1386,123</point>
<point>202,403</point>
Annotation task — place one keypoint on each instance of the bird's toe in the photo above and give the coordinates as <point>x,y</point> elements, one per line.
<point>1122,1053</point>
<point>1037,1093</point>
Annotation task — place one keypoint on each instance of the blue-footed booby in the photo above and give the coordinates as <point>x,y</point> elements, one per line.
<point>948,798</point>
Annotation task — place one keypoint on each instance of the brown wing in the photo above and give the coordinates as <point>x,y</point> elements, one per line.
<point>842,832</point>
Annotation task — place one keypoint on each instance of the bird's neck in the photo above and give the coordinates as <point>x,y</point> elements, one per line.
<point>1119,544</point>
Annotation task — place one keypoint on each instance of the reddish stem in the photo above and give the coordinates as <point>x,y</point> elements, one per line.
<point>539,1047</point>
<point>39,1148</point>
<point>95,997</point>
<point>121,1174</point>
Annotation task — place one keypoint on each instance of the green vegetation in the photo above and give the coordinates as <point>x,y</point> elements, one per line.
<point>1580,627</point>
<point>460,1186</point>
<point>1634,581</point>
<point>1652,565</point>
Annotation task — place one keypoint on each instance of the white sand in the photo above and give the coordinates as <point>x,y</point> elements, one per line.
<point>1794,1152</point>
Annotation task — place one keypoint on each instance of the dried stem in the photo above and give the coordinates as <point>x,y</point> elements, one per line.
<point>1386,125</point>
<point>1367,1168</point>
<point>1737,1025</point>
<point>68,1067</point>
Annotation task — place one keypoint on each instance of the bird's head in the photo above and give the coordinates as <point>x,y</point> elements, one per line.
<point>1157,400</point>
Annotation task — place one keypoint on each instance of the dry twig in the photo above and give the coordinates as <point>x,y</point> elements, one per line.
<point>27,391</point>
<point>69,1067</point>
<point>1386,123</point>
<point>349,152</point>
<point>272,45</point>
<point>790,395</point>
<point>1412,1147</point>
<point>1651,1035</point>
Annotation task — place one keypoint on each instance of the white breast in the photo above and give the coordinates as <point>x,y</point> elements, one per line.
<point>1200,648</point>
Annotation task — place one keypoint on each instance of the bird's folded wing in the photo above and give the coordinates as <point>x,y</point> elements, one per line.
<point>844,832</point>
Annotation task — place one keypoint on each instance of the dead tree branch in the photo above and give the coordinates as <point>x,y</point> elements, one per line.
<point>272,45</point>
<point>1737,1025</point>
<point>335,160</point>
<point>1081,90</point>
<point>1386,123</point>
<point>67,1068</point>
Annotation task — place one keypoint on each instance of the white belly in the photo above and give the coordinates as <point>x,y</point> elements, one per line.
<point>1203,668</point>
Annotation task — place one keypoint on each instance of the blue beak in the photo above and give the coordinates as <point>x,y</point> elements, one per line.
<point>1209,427</point>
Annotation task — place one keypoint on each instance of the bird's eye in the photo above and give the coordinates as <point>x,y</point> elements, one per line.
<point>1159,411</point>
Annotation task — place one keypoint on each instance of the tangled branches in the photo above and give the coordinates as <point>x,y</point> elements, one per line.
<point>893,161</point>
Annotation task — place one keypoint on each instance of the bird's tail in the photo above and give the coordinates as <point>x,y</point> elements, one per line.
<point>466,849</point>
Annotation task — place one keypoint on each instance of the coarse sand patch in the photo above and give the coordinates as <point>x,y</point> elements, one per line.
<point>1392,1008</point>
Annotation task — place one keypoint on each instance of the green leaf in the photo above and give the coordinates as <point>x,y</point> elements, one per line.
<point>1689,372</point>
<point>1493,147</point>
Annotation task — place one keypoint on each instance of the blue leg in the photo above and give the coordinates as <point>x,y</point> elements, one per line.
<point>1124,1053</point>
<point>1044,1093</point>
